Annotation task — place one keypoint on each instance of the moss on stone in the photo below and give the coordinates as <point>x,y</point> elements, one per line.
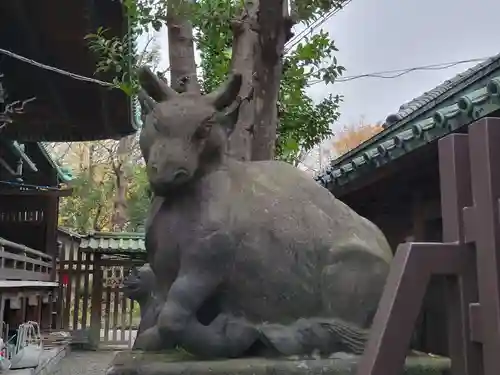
<point>175,362</point>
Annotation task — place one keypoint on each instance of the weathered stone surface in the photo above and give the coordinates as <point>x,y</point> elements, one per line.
<point>139,363</point>
<point>249,258</point>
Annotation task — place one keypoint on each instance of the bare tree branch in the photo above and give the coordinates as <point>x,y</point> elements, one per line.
<point>14,108</point>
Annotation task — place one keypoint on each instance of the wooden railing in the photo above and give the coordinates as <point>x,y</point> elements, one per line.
<point>467,261</point>
<point>19,262</point>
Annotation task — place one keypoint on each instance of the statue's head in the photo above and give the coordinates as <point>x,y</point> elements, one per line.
<point>183,133</point>
<point>140,283</point>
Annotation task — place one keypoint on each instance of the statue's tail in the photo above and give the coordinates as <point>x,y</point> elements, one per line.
<point>350,338</point>
<point>316,335</point>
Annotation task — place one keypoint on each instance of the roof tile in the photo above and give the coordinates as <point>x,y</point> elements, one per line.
<point>111,242</point>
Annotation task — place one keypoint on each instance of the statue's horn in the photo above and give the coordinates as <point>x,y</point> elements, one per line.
<point>226,93</point>
<point>154,85</point>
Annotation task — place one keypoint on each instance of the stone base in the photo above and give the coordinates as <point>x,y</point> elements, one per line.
<point>132,363</point>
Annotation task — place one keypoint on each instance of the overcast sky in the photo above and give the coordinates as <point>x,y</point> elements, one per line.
<point>380,35</point>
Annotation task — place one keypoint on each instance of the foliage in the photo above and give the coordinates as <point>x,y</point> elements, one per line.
<point>92,204</point>
<point>117,56</point>
<point>302,123</point>
<point>352,136</point>
<point>311,10</point>
<point>138,198</point>
<point>86,208</point>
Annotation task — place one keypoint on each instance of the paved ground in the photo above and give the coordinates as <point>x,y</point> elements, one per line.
<point>86,363</point>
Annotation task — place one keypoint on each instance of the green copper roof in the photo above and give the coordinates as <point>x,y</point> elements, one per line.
<point>457,102</point>
<point>113,242</point>
<point>63,173</point>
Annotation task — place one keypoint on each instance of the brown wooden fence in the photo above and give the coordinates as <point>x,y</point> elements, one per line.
<point>468,261</point>
<point>90,298</point>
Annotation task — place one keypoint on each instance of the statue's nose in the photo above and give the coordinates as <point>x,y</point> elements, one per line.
<point>180,173</point>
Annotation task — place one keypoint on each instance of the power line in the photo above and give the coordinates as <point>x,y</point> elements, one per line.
<point>297,39</point>
<point>305,30</point>
<point>55,70</point>
<point>401,72</point>
<point>396,73</point>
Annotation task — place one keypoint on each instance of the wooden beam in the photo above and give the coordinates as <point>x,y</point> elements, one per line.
<point>10,284</point>
<point>23,275</point>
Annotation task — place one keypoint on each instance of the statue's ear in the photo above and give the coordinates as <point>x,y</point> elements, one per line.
<point>226,94</point>
<point>154,86</point>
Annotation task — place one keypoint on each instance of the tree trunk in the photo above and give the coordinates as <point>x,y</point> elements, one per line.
<point>180,47</point>
<point>242,61</point>
<point>273,30</point>
<point>120,166</point>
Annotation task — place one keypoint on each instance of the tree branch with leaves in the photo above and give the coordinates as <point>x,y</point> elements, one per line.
<point>249,37</point>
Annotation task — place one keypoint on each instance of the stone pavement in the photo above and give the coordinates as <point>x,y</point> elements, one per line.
<point>86,362</point>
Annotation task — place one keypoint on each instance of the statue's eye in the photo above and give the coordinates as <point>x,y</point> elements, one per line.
<point>204,130</point>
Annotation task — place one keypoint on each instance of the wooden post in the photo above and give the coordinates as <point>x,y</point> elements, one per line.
<point>70,278</point>
<point>482,227</point>
<point>78,283</point>
<point>46,314</point>
<point>2,315</point>
<point>96,301</point>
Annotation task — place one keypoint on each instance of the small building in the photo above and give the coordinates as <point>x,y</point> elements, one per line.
<point>393,178</point>
<point>46,64</point>
<point>29,198</point>
<point>99,308</point>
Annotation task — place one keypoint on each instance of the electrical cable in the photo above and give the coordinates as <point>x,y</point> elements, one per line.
<point>297,39</point>
<point>396,73</point>
<point>53,69</point>
<point>401,72</point>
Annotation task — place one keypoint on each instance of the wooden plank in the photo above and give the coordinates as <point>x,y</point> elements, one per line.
<point>476,327</point>
<point>123,302</point>
<point>5,254</point>
<point>2,316</point>
<point>39,310</point>
<point>456,194</point>
<point>402,299</point>
<point>107,313</point>
<point>116,312</point>
<point>130,319</point>
<point>78,273</point>
<point>110,262</point>
<point>484,140</point>
<point>23,248</point>
<point>23,275</point>
<point>86,295</point>
<point>69,272</point>
<point>96,303</point>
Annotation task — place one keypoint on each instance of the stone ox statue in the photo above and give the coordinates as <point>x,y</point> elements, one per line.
<point>250,258</point>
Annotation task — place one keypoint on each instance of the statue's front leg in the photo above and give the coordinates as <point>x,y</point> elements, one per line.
<point>186,295</point>
<point>226,336</point>
<point>203,267</point>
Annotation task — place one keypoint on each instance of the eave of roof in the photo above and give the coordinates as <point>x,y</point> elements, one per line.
<point>113,242</point>
<point>62,175</point>
<point>474,96</point>
<point>65,109</point>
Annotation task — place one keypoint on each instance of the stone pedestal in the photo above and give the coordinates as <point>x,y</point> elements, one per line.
<point>133,363</point>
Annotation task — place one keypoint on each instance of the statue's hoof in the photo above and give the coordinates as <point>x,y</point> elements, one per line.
<point>149,340</point>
